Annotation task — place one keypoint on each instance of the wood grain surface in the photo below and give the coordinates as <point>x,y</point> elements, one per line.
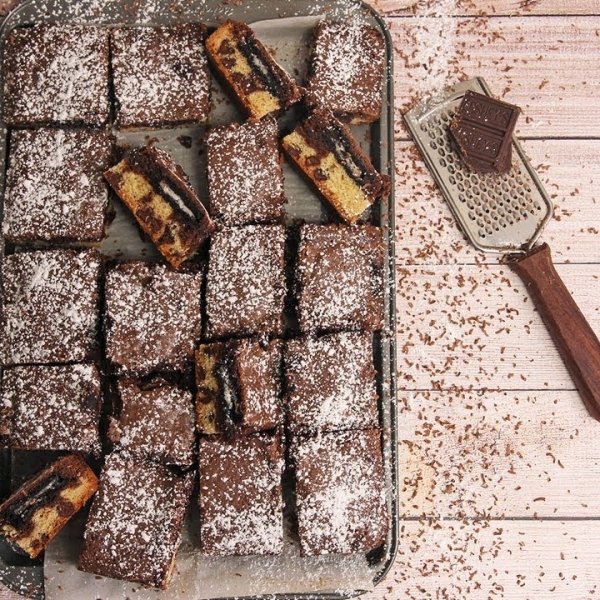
<point>499,461</point>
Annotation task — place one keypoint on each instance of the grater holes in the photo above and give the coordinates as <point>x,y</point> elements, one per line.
<point>491,202</point>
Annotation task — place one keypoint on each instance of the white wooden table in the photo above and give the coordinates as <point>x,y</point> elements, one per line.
<point>499,460</point>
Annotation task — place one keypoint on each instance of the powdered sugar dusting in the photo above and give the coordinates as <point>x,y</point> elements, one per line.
<point>339,274</point>
<point>331,383</point>
<point>160,75</point>
<point>346,69</point>
<point>434,30</point>
<point>157,423</point>
<point>134,527</point>
<point>55,189</point>
<point>51,408</point>
<point>340,494</point>
<point>245,177</point>
<point>246,281</point>
<point>241,507</point>
<point>50,310</point>
<point>153,317</point>
<point>258,375</point>
<point>55,73</point>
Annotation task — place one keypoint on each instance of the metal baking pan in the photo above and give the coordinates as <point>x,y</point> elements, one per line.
<point>285,26</point>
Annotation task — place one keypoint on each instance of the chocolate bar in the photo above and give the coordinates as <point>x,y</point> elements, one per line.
<point>482,132</point>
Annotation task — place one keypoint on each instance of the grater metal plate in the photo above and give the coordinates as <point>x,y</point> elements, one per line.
<point>497,212</point>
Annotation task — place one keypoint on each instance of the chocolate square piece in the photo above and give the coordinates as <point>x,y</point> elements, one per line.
<point>240,495</point>
<point>56,74</point>
<point>249,71</point>
<point>346,70</point>
<point>245,178</point>
<point>51,408</point>
<point>245,287</point>
<point>152,317</point>
<point>38,510</point>
<point>50,308</point>
<point>156,421</point>
<point>238,386</point>
<point>340,492</point>
<point>482,131</point>
<point>55,190</point>
<point>160,75</point>
<point>330,383</point>
<point>339,277</point>
<point>134,527</point>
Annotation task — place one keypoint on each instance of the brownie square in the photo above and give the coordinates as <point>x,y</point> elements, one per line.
<point>152,317</point>
<point>240,495</point>
<point>55,191</point>
<point>239,386</point>
<point>340,492</point>
<point>245,287</point>
<point>134,527</point>
<point>346,70</point>
<point>51,408</point>
<point>156,421</point>
<point>339,278</point>
<point>257,373</point>
<point>330,383</point>
<point>50,307</point>
<point>56,73</point>
<point>160,75</point>
<point>245,178</point>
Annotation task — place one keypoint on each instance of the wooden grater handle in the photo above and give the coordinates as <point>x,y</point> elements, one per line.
<point>572,334</point>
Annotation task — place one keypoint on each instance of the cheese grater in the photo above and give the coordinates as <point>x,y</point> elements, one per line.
<point>498,213</point>
<point>506,213</point>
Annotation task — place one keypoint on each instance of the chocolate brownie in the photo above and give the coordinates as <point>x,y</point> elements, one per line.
<point>239,386</point>
<point>50,308</point>
<point>346,70</point>
<point>327,155</point>
<point>160,75</point>
<point>340,492</point>
<point>339,278</point>
<point>330,383</point>
<point>245,178</point>
<point>249,71</point>
<point>156,421</point>
<point>158,193</point>
<point>56,73</point>
<point>134,527</point>
<point>55,191</point>
<point>240,495</point>
<point>245,287</point>
<point>51,408</point>
<point>152,317</point>
<point>43,505</point>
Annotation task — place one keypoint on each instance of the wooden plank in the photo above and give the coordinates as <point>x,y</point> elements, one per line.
<point>528,61</point>
<point>474,327</point>
<point>483,560</point>
<point>492,7</point>
<point>426,232</point>
<point>464,453</point>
